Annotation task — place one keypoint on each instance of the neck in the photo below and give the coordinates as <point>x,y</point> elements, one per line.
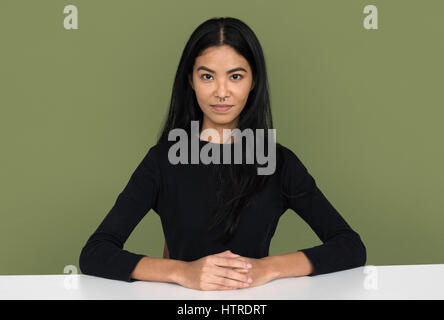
<point>207,136</point>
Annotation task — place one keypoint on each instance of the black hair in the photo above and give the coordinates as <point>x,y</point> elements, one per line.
<point>238,183</point>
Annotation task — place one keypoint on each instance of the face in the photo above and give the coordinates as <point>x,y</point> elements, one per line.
<point>221,76</point>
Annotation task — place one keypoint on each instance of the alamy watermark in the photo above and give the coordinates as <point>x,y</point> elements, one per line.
<point>204,156</point>
<point>71,19</point>
<point>71,280</point>
<point>371,278</point>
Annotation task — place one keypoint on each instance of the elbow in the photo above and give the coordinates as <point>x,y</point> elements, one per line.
<point>355,252</point>
<point>93,256</point>
<point>359,252</point>
<point>85,261</point>
<point>362,255</point>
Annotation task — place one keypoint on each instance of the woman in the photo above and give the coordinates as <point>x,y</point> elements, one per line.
<point>218,219</point>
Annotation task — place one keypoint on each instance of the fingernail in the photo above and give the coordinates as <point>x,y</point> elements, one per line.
<point>250,280</point>
<point>249,265</point>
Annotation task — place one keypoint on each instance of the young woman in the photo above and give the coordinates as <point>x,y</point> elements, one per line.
<point>218,219</point>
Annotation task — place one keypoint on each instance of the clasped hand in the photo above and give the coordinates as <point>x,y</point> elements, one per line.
<point>225,271</point>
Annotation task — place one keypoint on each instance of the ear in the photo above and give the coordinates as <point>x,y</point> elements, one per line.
<point>191,81</point>
<point>254,83</point>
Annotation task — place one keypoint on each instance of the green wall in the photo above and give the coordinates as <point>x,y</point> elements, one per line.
<point>362,109</point>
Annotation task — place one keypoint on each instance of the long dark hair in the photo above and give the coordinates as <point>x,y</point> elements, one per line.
<point>238,183</point>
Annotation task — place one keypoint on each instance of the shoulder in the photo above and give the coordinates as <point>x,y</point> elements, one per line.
<point>157,154</point>
<point>294,177</point>
<point>287,159</point>
<point>152,164</point>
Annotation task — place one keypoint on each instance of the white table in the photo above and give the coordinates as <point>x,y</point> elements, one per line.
<point>363,283</point>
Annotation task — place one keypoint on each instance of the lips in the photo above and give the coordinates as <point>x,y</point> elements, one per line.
<point>221,107</point>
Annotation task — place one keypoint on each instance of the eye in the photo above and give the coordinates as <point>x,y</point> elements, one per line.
<point>237,74</point>
<point>205,74</point>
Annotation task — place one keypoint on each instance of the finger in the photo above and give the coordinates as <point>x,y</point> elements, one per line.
<point>233,263</point>
<point>230,274</point>
<point>242,270</point>
<point>228,253</point>
<point>236,257</point>
<point>226,282</point>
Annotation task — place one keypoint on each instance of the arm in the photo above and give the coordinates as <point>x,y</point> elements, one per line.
<point>155,269</point>
<point>158,269</point>
<point>103,254</point>
<point>294,264</point>
<point>342,247</point>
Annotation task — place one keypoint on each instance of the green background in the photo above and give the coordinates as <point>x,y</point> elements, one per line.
<point>362,109</point>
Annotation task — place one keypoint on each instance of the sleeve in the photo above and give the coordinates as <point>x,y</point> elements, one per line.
<point>342,247</point>
<point>103,253</point>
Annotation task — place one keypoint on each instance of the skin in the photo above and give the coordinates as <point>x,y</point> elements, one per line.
<point>217,79</point>
<point>220,87</point>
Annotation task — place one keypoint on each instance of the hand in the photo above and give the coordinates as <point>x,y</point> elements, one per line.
<point>260,271</point>
<point>222,271</point>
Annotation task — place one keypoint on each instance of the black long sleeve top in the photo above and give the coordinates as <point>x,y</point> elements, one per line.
<point>182,194</point>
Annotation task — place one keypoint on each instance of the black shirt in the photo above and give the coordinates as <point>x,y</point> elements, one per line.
<point>182,194</point>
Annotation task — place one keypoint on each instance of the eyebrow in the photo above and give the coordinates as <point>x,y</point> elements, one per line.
<point>229,71</point>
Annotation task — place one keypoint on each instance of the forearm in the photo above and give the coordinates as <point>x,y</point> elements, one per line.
<point>158,269</point>
<point>294,264</point>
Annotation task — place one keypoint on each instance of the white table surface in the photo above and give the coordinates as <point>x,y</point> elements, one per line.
<point>363,283</point>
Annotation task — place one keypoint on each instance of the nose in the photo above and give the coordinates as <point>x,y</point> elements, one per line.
<point>222,90</point>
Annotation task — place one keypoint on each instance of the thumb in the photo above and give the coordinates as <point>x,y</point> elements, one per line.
<point>229,253</point>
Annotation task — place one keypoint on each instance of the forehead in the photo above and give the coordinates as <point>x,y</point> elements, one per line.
<point>223,57</point>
